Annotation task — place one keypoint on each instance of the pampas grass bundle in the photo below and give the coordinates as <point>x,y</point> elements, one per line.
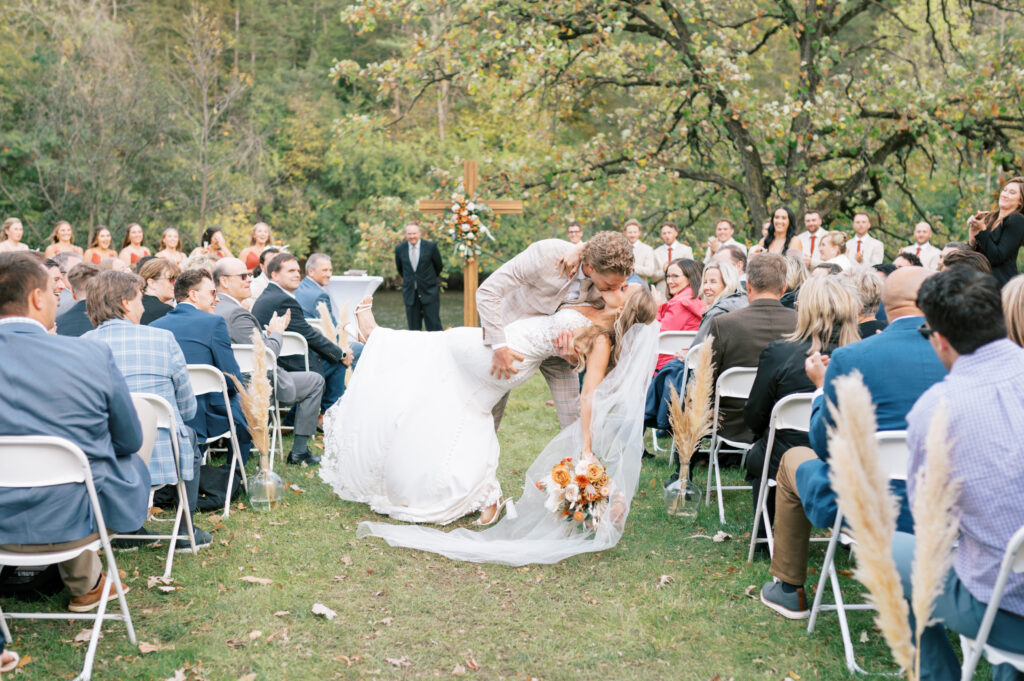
<point>255,400</point>
<point>325,319</point>
<point>694,423</point>
<point>336,334</point>
<point>936,524</point>
<point>870,509</point>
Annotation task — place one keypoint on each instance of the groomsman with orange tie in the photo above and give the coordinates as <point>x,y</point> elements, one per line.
<point>811,238</point>
<point>666,253</point>
<point>863,249</point>
<point>928,254</point>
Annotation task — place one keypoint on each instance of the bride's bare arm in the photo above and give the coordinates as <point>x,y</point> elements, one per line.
<point>597,367</point>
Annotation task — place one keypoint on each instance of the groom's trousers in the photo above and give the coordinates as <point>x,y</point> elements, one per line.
<point>565,389</point>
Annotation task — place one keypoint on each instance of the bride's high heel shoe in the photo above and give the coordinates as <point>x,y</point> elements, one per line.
<point>510,511</point>
<point>363,335</point>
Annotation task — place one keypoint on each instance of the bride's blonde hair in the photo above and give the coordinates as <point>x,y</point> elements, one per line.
<point>639,308</point>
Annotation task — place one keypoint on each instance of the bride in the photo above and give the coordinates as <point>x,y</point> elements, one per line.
<point>413,436</point>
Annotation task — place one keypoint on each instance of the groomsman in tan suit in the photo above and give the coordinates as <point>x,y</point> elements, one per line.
<point>535,283</point>
<point>862,248</point>
<point>812,238</point>
<point>643,255</point>
<point>928,254</point>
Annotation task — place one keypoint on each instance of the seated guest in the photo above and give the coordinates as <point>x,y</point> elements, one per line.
<point>158,297</point>
<point>985,410</point>
<point>325,357</point>
<point>69,388</point>
<point>897,366</point>
<point>867,284</point>
<point>259,284</point>
<point>66,260</point>
<point>737,257</point>
<point>1013,309</point>
<point>970,259</point>
<point>796,275</point>
<point>203,338</point>
<point>313,287</point>
<point>826,269</point>
<point>115,264</point>
<point>741,336</point>
<point>826,319</point>
<point>151,362</point>
<point>906,259</point>
<point>75,321</point>
<point>953,246</point>
<point>304,389</point>
<point>684,310</point>
<point>832,250</point>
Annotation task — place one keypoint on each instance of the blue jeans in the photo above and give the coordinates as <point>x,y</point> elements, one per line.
<point>334,378</point>
<point>962,613</point>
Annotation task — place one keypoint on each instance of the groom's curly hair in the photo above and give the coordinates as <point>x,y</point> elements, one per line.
<point>609,253</point>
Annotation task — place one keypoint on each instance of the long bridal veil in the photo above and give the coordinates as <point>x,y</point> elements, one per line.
<point>538,535</point>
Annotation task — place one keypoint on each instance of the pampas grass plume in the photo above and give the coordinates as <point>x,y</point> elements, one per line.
<point>325,319</point>
<point>255,399</point>
<point>871,510</point>
<point>694,423</point>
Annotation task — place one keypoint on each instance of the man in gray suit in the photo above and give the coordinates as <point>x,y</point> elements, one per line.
<point>304,389</point>
<point>535,282</point>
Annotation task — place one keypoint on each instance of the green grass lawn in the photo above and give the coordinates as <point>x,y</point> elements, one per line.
<point>408,615</point>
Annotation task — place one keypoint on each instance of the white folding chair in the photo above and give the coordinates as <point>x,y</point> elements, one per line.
<point>792,412</point>
<point>669,343</point>
<point>244,357</point>
<point>33,461</point>
<point>164,418</point>
<point>735,382</point>
<point>206,380</point>
<point>894,456</point>
<point>295,344</point>
<point>1013,561</point>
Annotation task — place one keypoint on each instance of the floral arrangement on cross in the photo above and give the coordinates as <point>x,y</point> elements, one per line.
<point>465,225</point>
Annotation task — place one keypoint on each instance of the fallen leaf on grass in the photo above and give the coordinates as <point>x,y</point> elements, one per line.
<point>719,536</point>
<point>387,621</point>
<point>257,580</point>
<point>321,609</point>
<point>458,670</point>
<point>402,661</point>
<point>169,589</point>
<point>346,561</point>
<point>235,643</point>
<point>153,581</point>
<point>749,592</point>
<point>255,634</point>
<point>84,635</point>
<point>664,580</point>
<point>348,660</point>
<point>179,675</point>
<point>251,676</point>
<point>471,663</point>
<point>282,613</point>
<point>863,637</point>
<point>280,633</point>
<point>297,489</point>
<point>25,659</point>
<point>147,647</point>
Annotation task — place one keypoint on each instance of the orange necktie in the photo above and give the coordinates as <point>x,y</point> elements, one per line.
<point>858,245</point>
<point>813,237</point>
<point>918,251</point>
<point>670,254</point>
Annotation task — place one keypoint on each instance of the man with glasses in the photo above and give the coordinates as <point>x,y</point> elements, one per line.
<point>203,337</point>
<point>304,389</point>
<point>897,366</point>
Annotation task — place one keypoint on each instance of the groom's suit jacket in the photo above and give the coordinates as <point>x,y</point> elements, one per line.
<point>526,286</point>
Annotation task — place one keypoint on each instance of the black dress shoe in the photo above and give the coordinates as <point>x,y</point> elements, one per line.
<point>299,458</point>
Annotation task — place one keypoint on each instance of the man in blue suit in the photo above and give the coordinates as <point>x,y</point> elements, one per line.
<point>313,288</point>
<point>897,365</point>
<point>70,388</point>
<point>75,321</point>
<point>203,337</point>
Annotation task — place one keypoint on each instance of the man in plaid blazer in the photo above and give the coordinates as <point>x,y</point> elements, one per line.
<point>535,282</point>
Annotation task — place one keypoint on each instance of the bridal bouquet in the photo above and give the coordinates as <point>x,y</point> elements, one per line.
<point>579,493</point>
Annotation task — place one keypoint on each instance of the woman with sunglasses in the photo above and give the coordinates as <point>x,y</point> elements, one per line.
<point>158,297</point>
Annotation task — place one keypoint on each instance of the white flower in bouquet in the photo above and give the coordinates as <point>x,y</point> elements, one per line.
<point>455,208</point>
<point>465,228</point>
<point>581,468</point>
<point>471,206</point>
<point>572,493</point>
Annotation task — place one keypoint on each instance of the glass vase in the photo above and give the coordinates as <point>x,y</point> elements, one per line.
<point>683,499</point>
<point>266,490</point>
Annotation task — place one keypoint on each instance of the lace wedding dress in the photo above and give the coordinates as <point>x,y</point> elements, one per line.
<point>413,436</point>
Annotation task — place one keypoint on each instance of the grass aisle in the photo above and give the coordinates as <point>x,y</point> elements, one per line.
<point>409,615</point>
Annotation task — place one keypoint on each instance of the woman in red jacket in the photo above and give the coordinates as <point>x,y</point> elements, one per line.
<point>684,309</point>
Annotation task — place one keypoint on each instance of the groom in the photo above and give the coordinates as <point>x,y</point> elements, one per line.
<point>535,283</point>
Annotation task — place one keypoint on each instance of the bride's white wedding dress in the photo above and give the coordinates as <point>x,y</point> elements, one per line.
<point>413,436</point>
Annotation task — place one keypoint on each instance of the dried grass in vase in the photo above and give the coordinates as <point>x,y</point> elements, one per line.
<point>870,508</point>
<point>336,334</point>
<point>693,423</point>
<point>256,398</point>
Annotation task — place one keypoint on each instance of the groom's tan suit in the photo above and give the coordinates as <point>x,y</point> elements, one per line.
<point>528,285</point>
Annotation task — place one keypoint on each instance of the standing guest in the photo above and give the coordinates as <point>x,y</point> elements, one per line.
<point>132,247</point>
<point>781,236</point>
<point>419,265</point>
<point>796,275</point>
<point>863,249</point>
<point>10,236</point>
<point>897,367</point>
<point>998,234</point>
<point>645,267</point>
<point>907,259</point>
<point>213,245</point>
<point>259,238</point>
<point>1013,309</point>
<point>158,276</point>
<point>868,285</point>
<point>66,260</point>
<point>75,321</point>
<point>740,336</point>
<point>304,389</point>
<point>811,239</point>
<point>313,289</point>
<point>984,404</point>
<point>684,310</point>
<point>62,239</point>
<point>203,338</point>
<point>832,247</point>
<point>53,372</point>
<point>151,362</point>
<point>925,252</point>
<point>574,232</point>
<point>759,246</point>
<point>325,357</point>
<point>99,247</point>
<point>115,264</point>
<point>259,283</point>
<point>724,231</point>
<point>668,252</point>
<point>170,247</point>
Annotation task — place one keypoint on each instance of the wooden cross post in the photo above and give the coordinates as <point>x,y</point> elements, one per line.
<point>470,269</point>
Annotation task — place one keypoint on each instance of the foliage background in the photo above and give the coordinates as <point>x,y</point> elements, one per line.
<point>328,119</point>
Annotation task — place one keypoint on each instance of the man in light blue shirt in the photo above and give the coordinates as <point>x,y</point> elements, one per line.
<point>985,404</point>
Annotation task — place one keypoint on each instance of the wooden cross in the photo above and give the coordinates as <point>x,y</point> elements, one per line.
<point>470,269</point>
